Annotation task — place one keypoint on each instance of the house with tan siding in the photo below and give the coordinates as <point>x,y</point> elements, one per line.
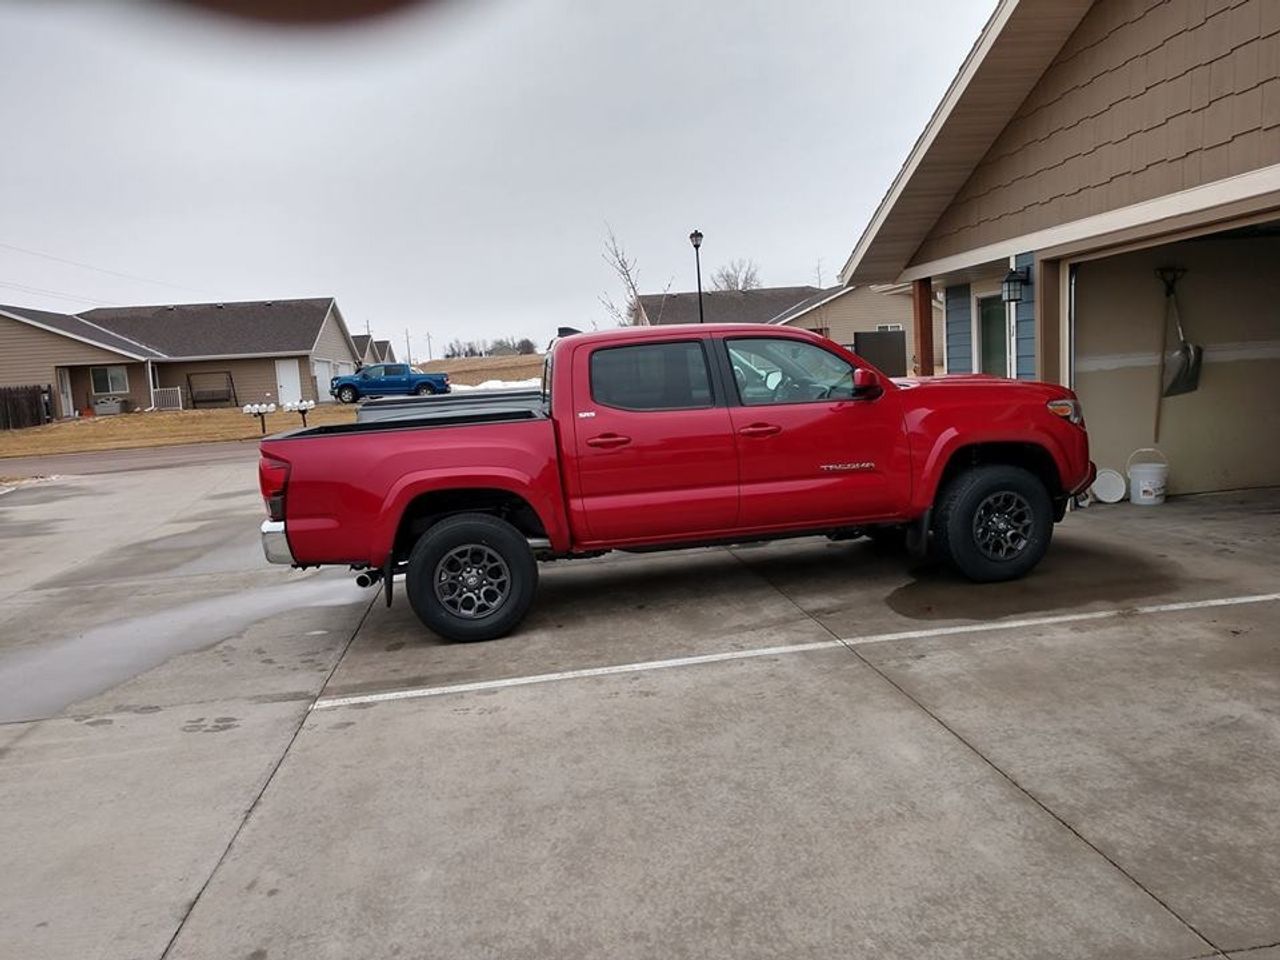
<point>178,355</point>
<point>842,313</point>
<point>1083,146</point>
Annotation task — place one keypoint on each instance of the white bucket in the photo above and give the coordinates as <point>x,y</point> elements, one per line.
<point>1147,481</point>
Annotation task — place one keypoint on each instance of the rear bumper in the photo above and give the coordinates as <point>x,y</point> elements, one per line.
<point>275,545</point>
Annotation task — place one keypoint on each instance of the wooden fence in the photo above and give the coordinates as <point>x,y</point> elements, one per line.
<point>25,406</point>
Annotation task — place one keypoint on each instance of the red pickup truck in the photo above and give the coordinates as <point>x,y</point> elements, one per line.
<point>649,438</point>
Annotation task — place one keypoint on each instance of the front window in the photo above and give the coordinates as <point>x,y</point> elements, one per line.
<point>372,373</point>
<point>109,379</point>
<point>776,370</point>
<point>652,376</point>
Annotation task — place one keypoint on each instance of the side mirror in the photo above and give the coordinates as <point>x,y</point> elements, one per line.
<point>866,383</point>
<point>772,379</point>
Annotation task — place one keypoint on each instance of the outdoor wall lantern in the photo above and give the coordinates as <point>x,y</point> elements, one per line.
<point>1014,282</point>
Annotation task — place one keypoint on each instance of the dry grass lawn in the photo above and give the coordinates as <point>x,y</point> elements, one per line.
<point>159,429</point>
<point>474,370</point>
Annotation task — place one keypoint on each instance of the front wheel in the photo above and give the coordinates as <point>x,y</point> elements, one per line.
<point>347,394</point>
<point>994,523</point>
<point>471,577</point>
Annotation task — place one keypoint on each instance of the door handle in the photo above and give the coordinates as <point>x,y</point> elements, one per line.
<point>608,441</point>
<point>760,430</point>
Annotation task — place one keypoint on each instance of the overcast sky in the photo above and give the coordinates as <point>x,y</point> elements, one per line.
<point>452,169</point>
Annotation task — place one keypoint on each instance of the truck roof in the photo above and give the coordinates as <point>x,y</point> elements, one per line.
<point>665,332</point>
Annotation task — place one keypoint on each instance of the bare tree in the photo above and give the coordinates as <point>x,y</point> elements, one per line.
<point>736,275</point>
<point>526,346</point>
<point>615,255</point>
<point>818,275</point>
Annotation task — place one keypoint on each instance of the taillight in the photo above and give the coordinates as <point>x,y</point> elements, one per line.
<point>273,477</point>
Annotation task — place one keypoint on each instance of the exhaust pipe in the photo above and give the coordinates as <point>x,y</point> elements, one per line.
<point>367,578</point>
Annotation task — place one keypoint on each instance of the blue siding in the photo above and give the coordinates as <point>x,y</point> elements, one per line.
<point>1025,323</point>
<point>959,321</point>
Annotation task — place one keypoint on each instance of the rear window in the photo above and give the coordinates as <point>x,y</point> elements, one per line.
<point>652,376</point>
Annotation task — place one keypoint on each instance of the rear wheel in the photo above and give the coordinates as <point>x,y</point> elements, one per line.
<point>994,523</point>
<point>424,390</point>
<point>471,577</point>
<point>348,394</point>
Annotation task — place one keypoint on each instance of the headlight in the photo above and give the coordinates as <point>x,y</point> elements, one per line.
<point>1068,410</point>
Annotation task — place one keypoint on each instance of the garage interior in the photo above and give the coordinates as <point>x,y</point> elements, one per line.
<point>1221,436</point>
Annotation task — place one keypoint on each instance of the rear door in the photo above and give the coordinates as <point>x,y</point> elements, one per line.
<point>395,379</point>
<point>809,453</point>
<point>654,442</point>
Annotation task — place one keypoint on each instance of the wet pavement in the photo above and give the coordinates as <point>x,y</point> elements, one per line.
<point>863,757</point>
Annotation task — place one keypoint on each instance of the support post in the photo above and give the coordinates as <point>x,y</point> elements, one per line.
<point>922,316</point>
<point>1051,365</point>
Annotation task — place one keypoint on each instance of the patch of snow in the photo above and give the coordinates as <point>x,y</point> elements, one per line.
<point>498,385</point>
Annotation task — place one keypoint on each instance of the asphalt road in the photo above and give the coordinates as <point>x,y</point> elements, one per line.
<point>799,749</point>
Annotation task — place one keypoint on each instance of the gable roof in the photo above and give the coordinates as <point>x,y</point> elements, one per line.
<point>724,306</point>
<point>361,342</point>
<point>80,329</point>
<point>250,328</point>
<point>383,352</point>
<point>1015,48</point>
<point>811,303</point>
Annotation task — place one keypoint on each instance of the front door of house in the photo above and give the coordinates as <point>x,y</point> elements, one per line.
<point>288,381</point>
<point>993,337</point>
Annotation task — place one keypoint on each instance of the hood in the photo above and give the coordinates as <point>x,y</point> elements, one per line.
<point>983,382</point>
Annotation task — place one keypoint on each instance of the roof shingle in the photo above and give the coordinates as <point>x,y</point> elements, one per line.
<point>725,306</point>
<point>219,329</point>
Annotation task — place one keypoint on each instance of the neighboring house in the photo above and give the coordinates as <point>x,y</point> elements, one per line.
<point>364,349</point>
<point>383,352</point>
<point>721,306</point>
<point>1082,146</point>
<point>840,313</point>
<point>270,351</point>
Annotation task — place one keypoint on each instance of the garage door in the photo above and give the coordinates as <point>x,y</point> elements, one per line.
<point>323,372</point>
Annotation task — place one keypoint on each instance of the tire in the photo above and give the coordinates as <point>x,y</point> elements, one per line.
<point>423,390</point>
<point>502,561</point>
<point>994,523</point>
<point>348,394</point>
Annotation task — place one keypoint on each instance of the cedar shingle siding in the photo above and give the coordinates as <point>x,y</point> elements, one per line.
<point>1146,98</point>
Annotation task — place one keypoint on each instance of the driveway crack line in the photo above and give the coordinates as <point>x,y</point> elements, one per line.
<point>293,738</point>
<point>1217,951</point>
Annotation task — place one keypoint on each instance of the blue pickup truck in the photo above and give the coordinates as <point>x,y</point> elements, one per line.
<point>387,380</point>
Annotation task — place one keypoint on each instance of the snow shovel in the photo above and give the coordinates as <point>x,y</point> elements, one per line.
<point>1179,369</point>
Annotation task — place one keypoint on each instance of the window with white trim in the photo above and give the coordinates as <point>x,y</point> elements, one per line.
<point>109,379</point>
<point>887,327</point>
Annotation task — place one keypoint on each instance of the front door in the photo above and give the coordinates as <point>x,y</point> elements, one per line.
<point>64,393</point>
<point>809,453</point>
<point>323,373</point>
<point>993,336</point>
<point>288,381</point>
<point>654,444</point>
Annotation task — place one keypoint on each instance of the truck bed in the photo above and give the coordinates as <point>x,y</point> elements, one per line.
<point>516,402</point>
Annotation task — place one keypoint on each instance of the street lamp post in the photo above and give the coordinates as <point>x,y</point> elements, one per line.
<point>696,239</point>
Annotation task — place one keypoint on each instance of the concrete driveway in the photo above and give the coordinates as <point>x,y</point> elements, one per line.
<point>790,750</point>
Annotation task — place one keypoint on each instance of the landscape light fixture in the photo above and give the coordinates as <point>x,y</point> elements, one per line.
<point>696,239</point>
<point>1014,282</point>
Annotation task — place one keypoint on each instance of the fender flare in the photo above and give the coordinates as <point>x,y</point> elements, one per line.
<point>952,440</point>
<point>413,485</point>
